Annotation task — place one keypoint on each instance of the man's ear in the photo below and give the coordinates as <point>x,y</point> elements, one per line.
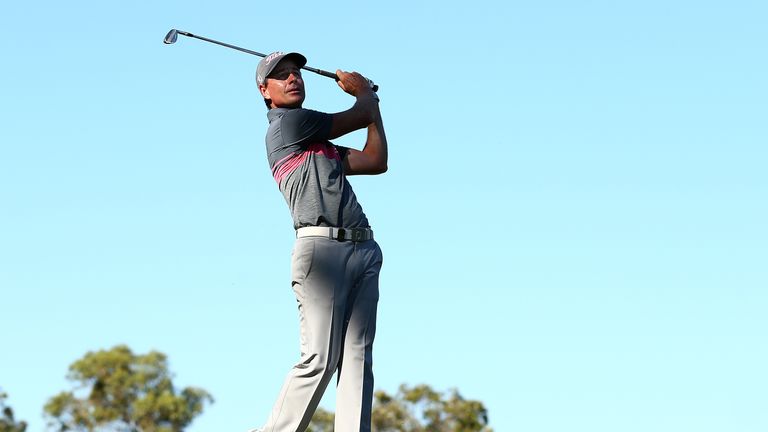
<point>264,91</point>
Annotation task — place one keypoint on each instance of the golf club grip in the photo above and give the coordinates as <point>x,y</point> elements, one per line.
<point>375,87</point>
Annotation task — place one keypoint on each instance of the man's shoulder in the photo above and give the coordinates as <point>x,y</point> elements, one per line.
<point>294,113</point>
<point>297,126</point>
<point>301,121</point>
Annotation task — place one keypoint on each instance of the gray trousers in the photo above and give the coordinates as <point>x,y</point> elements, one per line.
<point>337,290</point>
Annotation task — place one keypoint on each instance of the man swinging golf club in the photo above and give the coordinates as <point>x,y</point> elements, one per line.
<point>336,262</point>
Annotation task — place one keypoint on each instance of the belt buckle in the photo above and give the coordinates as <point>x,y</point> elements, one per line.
<point>341,235</point>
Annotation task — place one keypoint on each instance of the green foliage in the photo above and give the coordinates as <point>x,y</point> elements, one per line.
<point>417,409</point>
<point>120,391</point>
<point>322,421</point>
<point>7,422</point>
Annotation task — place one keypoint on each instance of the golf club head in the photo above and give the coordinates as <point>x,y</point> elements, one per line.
<point>171,36</point>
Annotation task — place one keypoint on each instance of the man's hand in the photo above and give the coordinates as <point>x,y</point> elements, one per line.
<point>363,114</point>
<point>355,84</point>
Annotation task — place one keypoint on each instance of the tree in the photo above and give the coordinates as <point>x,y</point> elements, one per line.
<point>7,422</point>
<point>322,421</point>
<point>417,409</point>
<point>123,392</point>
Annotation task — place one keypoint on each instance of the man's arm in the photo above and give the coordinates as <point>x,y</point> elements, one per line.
<point>373,158</point>
<point>364,113</point>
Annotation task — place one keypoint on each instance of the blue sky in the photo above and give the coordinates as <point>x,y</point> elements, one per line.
<point>573,223</point>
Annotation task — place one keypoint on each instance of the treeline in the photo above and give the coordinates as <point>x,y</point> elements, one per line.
<point>116,389</point>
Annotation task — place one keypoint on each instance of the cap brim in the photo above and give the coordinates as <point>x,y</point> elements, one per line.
<point>298,58</point>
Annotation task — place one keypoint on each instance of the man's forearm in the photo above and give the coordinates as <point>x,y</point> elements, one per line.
<point>376,143</point>
<point>361,114</point>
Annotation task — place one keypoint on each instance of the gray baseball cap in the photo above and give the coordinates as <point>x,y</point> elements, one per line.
<point>268,63</point>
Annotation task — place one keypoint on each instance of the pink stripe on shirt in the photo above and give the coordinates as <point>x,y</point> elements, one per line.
<point>289,163</point>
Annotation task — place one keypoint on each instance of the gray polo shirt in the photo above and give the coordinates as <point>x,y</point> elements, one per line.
<point>308,170</point>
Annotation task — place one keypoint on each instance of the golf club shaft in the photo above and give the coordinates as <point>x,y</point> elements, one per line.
<point>256,53</point>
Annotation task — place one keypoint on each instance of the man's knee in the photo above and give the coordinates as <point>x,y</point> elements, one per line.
<point>316,364</point>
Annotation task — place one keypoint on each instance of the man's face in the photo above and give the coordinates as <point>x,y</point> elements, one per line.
<point>284,86</point>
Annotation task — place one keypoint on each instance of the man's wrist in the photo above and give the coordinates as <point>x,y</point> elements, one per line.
<point>371,95</point>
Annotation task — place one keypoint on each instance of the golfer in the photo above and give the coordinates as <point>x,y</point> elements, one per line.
<point>336,262</point>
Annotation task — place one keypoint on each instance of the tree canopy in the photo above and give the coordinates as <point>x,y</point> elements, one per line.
<point>7,422</point>
<point>121,391</point>
<point>417,409</point>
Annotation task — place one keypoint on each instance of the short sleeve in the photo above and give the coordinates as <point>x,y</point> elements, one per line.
<point>303,127</point>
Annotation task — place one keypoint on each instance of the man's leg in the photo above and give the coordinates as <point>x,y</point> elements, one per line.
<point>354,394</point>
<point>317,273</point>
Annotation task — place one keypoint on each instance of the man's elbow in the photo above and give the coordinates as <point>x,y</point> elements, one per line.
<point>377,163</point>
<point>375,169</point>
<point>382,168</point>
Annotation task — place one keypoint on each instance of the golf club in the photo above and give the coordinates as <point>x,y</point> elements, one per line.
<point>173,35</point>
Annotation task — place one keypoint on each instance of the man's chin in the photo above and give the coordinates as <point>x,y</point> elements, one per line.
<point>292,101</point>
<point>297,101</point>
